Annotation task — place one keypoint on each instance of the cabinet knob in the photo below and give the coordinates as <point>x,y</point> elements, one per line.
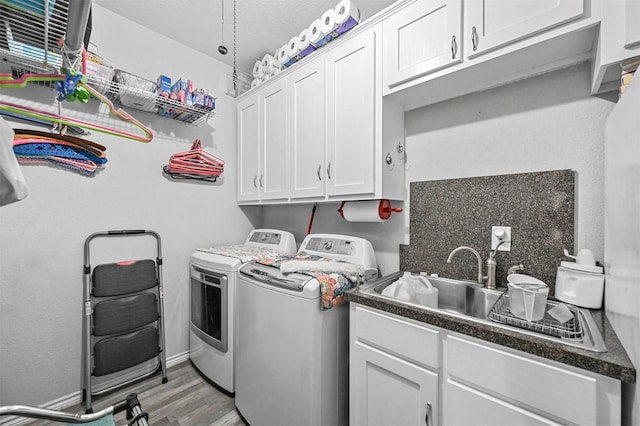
<point>319,168</point>
<point>255,185</point>
<point>261,176</point>
<point>474,38</point>
<point>454,47</point>
<point>329,170</point>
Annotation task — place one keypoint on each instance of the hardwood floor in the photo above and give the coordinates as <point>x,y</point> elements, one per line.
<point>185,400</point>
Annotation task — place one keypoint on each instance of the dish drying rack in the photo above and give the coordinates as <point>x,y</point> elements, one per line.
<point>572,329</point>
<point>29,35</point>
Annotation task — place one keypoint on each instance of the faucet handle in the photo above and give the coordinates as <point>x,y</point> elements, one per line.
<point>515,269</point>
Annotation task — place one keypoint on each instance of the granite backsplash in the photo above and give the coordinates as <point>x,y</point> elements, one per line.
<point>444,214</point>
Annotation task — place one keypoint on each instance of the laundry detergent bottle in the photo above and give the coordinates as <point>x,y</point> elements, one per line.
<point>580,283</point>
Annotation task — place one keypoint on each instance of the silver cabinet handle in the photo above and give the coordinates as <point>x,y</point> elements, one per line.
<point>454,47</point>
<point>329,170</point>
<point>427,419</point>
<point>319,168</point>
<point>261,176</point>
<point>475,40</point>
<point>255,185</point>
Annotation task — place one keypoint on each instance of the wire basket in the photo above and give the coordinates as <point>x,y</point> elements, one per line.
<point>572,329</point>
<point>133,91</point>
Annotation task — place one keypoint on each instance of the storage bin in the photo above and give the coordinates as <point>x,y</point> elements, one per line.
<point>134,91</point>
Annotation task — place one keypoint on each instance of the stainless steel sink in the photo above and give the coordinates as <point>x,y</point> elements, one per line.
<point>470,300</point>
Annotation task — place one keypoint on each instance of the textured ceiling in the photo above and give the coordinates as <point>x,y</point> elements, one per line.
<point>262,26</point>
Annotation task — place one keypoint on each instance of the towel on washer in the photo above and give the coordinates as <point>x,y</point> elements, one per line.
<point>320,266</point>
<point>335,276</point>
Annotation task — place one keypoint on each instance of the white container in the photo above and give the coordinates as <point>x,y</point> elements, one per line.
<point>414,289</point>
<point>580,283</point>
<point>528,300</point>
<point>580,288</point>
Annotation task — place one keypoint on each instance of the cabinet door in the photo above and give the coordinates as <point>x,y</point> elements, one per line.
<point>494,23</point>
<point>248,149</point>
<point>386,390</point>
<point>421,38</point>
<point>466,406</point>
<point>351,116</point>
<point>273,180</point>
<point>307,101</point>
<point>631,27</point>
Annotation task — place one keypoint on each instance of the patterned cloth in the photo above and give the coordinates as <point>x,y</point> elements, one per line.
<point>242,252</point>
<point>333,285</point>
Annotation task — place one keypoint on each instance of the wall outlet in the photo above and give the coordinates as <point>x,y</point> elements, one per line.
<point>505,233</point>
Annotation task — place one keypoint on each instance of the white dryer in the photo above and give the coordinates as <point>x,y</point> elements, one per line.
<point>213,279</point>
<point>292,356</point>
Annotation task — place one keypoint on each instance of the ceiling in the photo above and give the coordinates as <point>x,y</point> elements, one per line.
<point>262,26</point>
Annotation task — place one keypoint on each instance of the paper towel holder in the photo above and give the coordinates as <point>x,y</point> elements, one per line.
<point>384,208</point>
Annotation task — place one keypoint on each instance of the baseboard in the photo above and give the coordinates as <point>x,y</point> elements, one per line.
<point>75,398</point>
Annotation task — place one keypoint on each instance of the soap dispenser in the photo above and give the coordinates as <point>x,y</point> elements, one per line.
<point>580,283</point>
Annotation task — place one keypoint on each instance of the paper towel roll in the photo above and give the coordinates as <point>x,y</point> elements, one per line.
<point>367,211</point>
<point>347,16</point>
<point>283,56</point>
<point>304,44</point>
<point>315,33</point>
<point>257,69</point>
<point>327,26</point>
<point>292,47</point>
<point>267,63</point>
<point>273,71</point>
<point>276,59</point>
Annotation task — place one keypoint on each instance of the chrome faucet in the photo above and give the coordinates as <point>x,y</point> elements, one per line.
<point>488,280</point>
<point>475,252</point>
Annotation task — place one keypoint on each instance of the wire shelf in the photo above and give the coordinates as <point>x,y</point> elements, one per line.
<point>31,30</point>
<point>501,312</point>
<point>145,99</point>
<point>29,35</point>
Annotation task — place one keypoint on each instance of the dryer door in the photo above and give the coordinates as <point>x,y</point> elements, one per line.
<point>209,307</point>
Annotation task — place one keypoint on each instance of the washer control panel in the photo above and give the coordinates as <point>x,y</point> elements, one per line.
<point>331,246</point>
<point>342,247</point>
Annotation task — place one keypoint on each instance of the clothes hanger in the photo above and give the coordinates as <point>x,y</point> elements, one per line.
<point>93,147</point>
<point>7,80</point>
<point>197,159</point>
<point>195,164</point>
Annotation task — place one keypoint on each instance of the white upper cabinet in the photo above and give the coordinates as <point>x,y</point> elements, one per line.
<point>248,148</point>
<point>494,23</point>
<point>307,100</point>
<point>421,38</point>
<point>351,92</point>
<point>262,145</point>
<point>321,131</point>
<point>619,43</point>
<point>631,24</point>
<point>436,50</point>
<point>273,180</point>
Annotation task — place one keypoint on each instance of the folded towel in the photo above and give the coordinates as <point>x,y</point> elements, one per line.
<point>335,277</point>
<point>320,266</point>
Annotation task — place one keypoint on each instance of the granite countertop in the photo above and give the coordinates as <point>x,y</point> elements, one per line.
<point>613,363</point>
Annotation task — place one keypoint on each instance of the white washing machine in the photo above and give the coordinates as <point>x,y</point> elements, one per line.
<point>292,356</point>
<point>213,280</point>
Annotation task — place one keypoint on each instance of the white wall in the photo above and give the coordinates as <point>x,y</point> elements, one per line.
<point>42,237</point>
